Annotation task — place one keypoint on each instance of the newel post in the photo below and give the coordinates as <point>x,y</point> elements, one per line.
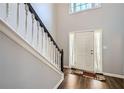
<point>62,56</point>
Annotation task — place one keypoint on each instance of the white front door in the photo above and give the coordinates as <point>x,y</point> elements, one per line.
<point>84,49</point>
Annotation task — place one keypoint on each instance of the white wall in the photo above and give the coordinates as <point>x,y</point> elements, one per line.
<point>47,13</point>
<point>110,18</point>
<point>20,69</point>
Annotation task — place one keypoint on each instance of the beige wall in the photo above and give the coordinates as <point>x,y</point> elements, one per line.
<point>110,18</point>
<point>47,13</point>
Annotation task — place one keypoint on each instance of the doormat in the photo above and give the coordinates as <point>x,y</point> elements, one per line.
<point>87,74</point>
<point>83,73</point>
<point>100,77</point>
<point>77,72</point>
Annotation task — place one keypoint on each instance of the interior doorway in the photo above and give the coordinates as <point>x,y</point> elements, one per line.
<point>85,50</point>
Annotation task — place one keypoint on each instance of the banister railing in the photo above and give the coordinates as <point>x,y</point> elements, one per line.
<point>41,24</point>
<point>28,25</point>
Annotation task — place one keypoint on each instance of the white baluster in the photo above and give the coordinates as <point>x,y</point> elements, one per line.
<point>3,10</point>
<point>40,40</point>
<point>57,58</point>
<point>60,60</point>
<point>12,15</point>
<point>50,50</point>
<point>7,10</point>
<point>34,32</point>
<point>29,28</point>
<point>21,23</point>
<point>49,46</point>
<point>44,40</point>
<point>42,32</point>
<point>38,31</point>
<point>26,19</point>
<point>46,46</point>
<point>54,55</point>
<point>17,17</point>
<point>51,53</point>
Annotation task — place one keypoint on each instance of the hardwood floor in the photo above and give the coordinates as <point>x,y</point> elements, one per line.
<point>73,81</point>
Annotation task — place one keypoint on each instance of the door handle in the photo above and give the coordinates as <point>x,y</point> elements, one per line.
<point>91,50</point>
<point>91,53</point>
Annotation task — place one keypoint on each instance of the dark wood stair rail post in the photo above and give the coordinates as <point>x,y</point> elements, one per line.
<point>62,56</point>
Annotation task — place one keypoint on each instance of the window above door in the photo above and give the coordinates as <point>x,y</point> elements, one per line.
<point>78,7</point>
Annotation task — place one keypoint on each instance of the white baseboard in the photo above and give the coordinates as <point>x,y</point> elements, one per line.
<point>57,85</point>
<point>66,66</point>
<point>114,75</point>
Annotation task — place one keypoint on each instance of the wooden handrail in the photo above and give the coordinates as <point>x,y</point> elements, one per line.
<point>42,25</point>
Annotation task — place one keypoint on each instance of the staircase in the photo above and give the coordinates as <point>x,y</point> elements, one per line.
<point>21,24</point>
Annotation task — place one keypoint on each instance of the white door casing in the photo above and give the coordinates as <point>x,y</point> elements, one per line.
<point>84,48</point>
